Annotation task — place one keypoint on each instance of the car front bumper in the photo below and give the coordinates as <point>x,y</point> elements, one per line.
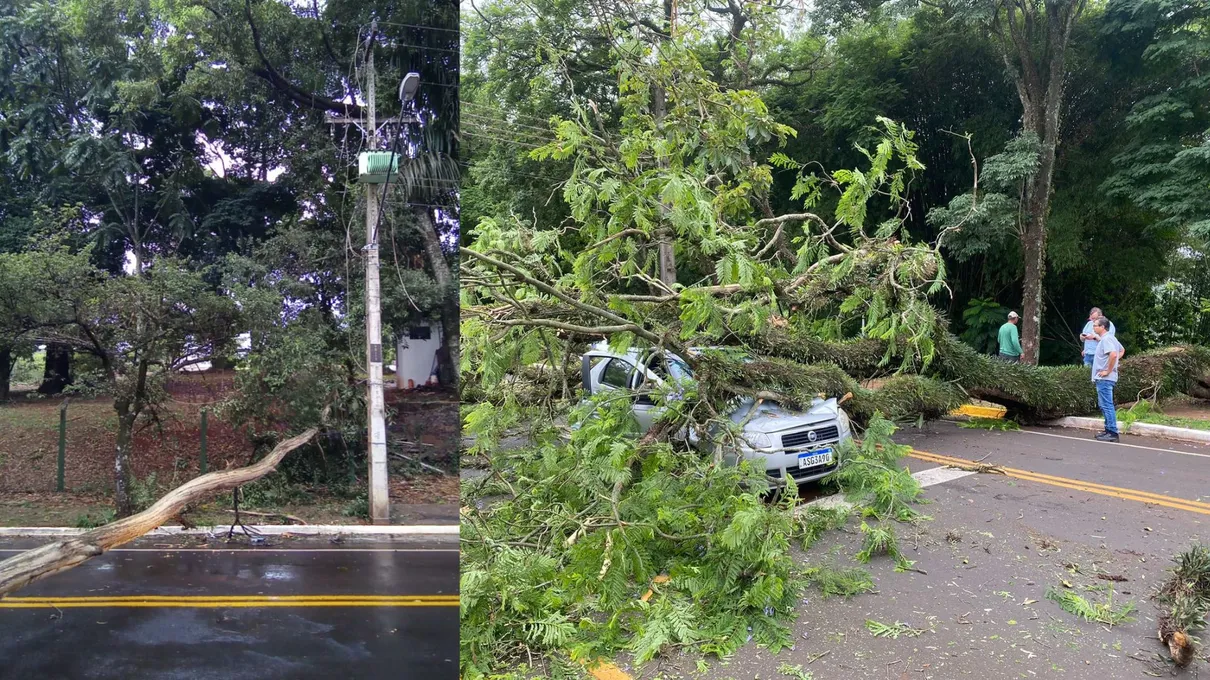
<point>781,465</point>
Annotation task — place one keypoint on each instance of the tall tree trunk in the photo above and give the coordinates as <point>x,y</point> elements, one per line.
<point>1040,81</point>
<point>128,409</point>
<point>123,503</point>
<point>57,373</point>
<point>665,239</point>
<point>450,354</point>
<point>6,371</point>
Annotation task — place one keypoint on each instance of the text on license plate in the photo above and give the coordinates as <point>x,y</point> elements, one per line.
<point>813,458</point>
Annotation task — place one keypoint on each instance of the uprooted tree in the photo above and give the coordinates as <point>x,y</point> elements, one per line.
<point>569,529</point>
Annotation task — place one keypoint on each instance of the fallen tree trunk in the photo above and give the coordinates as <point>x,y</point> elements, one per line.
<point>798,366</point>
<point>1030,393</point>
<point>39,563</point>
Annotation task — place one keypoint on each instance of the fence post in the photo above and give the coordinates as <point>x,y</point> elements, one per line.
<point>205,464</point>
<point>62,446</point>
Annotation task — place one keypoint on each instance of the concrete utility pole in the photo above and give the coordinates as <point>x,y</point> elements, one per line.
<point>380,505</point>
<point>380,502</point>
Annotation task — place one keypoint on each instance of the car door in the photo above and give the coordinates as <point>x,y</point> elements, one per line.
<point>646,382</point>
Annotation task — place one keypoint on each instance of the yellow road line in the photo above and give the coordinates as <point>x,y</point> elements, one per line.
<point>205,601</point>
<point>979,411</point>
<point>1076,484</point>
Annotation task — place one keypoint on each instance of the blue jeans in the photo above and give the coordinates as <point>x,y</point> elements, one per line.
<point>1105,401</point>
<point>1088,359</point>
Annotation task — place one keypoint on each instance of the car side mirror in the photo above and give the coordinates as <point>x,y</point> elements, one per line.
<point>644,399</point>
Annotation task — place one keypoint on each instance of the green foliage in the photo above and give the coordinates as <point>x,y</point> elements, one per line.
<point>28,371</point>
<point>892,630</point>
<point>1100,612</point>
<point>988,220</point>
<point>990,424</point>
<point>1184,597</point>
<point>1165,164</point>
<point>814,521</point>
<point>588,523</point>
<point>358,507</point>
<point>880,540</point>
<point>796,672</point>
<point>870,475</point>
<point>144,492</point>
<point>90,520</point>
<point>843,582</point>
<point>981,321</point>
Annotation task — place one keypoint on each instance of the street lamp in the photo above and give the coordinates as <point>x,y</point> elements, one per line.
<point>408,88</point>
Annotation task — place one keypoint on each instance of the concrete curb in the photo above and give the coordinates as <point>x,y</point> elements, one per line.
<point>418,530</point>
<point>1141,429</point>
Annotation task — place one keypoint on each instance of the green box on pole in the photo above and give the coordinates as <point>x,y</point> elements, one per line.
<point>373,167</point>
<point>205,464</point>
<point>62,447</point>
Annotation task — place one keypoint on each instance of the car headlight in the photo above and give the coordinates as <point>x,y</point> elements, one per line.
<point>845,429</point>
<point>758,440</point>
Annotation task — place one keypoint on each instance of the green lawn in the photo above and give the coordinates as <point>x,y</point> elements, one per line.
<point>1146,412</point>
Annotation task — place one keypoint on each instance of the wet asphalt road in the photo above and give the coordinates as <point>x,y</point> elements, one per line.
<point>190,609</point>
<point>993,548</point>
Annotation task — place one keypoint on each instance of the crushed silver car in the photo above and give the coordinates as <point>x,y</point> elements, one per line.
<point>788,444</point>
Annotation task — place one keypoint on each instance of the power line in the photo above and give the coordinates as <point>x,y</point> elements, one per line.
<point>502,139</point>
<point>434,28</point>
<point>494,110</point>
<point>426,47</point>
<point>489,119</point>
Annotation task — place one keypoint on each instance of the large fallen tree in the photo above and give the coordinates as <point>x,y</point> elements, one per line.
<point>34,565</point>
<point>673,244</point>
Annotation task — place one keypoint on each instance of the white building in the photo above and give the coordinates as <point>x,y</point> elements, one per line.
<point>416,355</point>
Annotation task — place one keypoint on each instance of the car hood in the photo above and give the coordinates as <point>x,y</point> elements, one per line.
<point>772,417</point>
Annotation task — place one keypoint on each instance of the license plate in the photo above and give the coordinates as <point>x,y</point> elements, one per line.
<point>813,458</point>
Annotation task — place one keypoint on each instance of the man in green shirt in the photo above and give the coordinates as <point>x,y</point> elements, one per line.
<point>1010,341</point>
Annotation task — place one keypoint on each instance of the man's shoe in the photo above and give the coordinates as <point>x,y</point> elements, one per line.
<point>1107,437</point>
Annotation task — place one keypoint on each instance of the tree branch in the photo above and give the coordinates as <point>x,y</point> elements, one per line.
<point>295,93</point>
<point>34,565</point>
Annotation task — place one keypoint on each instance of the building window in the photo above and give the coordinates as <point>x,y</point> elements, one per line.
<point>420,333</point>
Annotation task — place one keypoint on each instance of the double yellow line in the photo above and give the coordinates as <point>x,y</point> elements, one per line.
<point>230,601</point>
<point>1074,484</point>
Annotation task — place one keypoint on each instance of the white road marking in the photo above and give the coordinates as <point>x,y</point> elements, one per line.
<point>940,475</point>
<point>1133,446</point>
<point>930,477</point>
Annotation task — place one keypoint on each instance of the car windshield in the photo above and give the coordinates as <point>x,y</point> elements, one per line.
<point>679,370</point>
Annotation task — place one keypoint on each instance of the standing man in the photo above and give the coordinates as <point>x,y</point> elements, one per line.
<point>1105,375</point>
<point>1010,340</point>
<point>1090,338</point>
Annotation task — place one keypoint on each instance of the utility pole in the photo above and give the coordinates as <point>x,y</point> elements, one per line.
<point>380,505</point>
<point>380,502</point>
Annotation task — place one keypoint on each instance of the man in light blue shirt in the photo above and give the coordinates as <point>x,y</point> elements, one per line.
<point>1105,359</point>
<point>1090,338</point>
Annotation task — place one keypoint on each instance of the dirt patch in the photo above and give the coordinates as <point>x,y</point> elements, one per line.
<point>169,447</point>
<point>423,433</point>
<point>1193,410</point>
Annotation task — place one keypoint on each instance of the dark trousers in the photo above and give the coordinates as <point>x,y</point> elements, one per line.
<point>1009,358</point>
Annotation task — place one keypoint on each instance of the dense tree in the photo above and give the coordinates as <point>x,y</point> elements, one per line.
<point>186,152</point>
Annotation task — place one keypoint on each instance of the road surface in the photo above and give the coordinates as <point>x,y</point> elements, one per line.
<point>185,609</point>
<point>1068,511</point>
